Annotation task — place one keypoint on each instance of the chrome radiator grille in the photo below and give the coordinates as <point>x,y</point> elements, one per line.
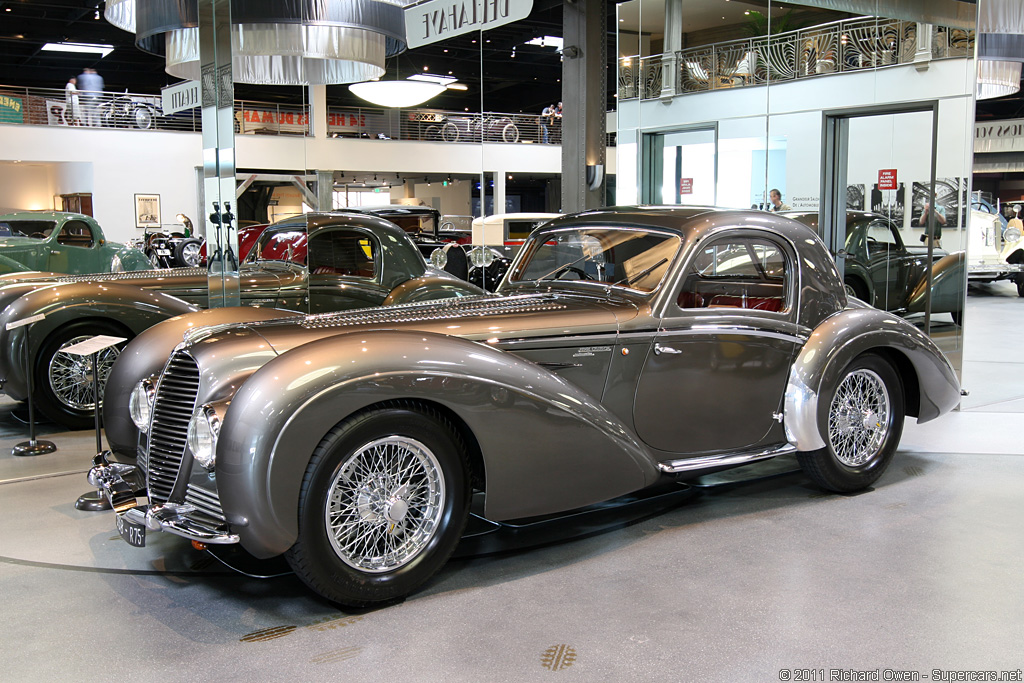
<point>206,502</point>
<point>175,401</point>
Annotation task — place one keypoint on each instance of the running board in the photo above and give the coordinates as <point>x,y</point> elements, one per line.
<point>723,460</point>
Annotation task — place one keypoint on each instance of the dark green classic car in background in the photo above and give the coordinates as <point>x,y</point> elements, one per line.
<point>60,242</point>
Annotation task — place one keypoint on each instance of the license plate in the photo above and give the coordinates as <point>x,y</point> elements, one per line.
<point>132,533</point>
<point>163,252</point>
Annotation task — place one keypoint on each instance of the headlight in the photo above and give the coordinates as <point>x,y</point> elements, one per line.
<point>203,430</point>
<point>140,404</point>
<point>439,258</point>
<point>1011,234</point>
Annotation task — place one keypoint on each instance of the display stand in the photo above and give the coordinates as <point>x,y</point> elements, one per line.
<point>94,500</point>
<point>33,446</point>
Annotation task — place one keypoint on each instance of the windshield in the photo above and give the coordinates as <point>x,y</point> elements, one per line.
<point>37,229</point>
<point>625,257</point>
<point>280,245</point>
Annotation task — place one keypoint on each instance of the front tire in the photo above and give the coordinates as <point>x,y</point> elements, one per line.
<point>861,419</point>
<point>63,382</point>
<point>382,506</point>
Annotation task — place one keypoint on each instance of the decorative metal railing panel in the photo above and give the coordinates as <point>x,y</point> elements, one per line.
<point>837,47</point>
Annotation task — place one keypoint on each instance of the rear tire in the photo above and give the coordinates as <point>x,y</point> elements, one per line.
<point>382,506</point>
<point>861,420</point>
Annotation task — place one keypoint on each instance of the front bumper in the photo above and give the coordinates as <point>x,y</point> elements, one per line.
<point>118,482</point>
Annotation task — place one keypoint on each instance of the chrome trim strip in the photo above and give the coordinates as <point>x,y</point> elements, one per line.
<point>589,340</point>
<point>723,460</point>
<point>711,329</point>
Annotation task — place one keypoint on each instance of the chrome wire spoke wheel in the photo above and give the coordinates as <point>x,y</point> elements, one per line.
<point>859,418</point>
<point>190,254</point>
<point>70,376</point>
<point>385,504</point>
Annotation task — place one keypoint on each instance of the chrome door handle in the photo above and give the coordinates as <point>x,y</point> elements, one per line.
<point>659,349</point>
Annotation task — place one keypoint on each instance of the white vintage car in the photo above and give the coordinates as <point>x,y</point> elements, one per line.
<point>993,253</point>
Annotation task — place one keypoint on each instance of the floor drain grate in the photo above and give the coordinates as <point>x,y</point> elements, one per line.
<point>558,657</point>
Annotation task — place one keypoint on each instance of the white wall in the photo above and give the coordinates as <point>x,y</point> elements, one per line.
<point>117,164</point>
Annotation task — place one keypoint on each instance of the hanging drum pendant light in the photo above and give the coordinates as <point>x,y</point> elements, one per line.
<point>274,42</point>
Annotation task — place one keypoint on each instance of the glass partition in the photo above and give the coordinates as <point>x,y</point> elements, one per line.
<point>803,107</point>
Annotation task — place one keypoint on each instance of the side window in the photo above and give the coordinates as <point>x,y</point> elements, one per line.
<point>750,273</point>
<point>342,252</point>
<point>880,233</point>
<point>75,234</point>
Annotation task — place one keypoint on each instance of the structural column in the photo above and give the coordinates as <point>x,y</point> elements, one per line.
<point>584,99</point>
<point>673,44</point>
<point>218,99</point>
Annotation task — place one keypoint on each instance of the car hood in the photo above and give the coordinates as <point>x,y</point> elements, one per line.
<point>533,317</point>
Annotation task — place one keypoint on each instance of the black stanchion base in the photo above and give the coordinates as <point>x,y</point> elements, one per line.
<point>37,447</point>
<point>93,501</point>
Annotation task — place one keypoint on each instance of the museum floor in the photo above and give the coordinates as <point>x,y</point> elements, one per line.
<point>745,582</point>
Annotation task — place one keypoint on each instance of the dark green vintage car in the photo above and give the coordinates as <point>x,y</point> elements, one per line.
<point>317,264</point>
<point>60,242</point>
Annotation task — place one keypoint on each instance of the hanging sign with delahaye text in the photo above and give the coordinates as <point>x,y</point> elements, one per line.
<point>429,22</point>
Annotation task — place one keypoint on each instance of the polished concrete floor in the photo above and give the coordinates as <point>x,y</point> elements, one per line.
<point>745,582</point>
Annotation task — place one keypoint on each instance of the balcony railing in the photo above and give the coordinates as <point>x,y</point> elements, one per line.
<point>47,107</point>
<point>837,47</point>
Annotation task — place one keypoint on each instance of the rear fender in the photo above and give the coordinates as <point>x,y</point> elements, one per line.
<point>147,354</point>
<point>546,445</point>
<point>848,334</point>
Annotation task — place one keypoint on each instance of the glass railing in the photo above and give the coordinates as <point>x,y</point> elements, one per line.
<point>48,107</point>
<point>837,47</point>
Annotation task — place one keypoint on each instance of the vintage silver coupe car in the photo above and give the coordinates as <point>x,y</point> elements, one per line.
<point>631,346</point>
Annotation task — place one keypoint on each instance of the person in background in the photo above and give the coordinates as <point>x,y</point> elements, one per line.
<point>90,85</point>
<point>940,220</point>
<point>547,117</point>
<point>72,105</point>
<point>777,204</point>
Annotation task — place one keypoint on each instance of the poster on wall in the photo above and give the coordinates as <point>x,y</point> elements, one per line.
<point>855,197</point>
<point>948,200</point>
<point>147,211</point>
<point>891,203</point>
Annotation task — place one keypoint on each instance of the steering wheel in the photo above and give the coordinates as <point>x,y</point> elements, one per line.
<point>572,269</point>
<point>38,236</point>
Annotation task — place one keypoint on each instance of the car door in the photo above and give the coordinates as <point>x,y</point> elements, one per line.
<point>74,250</point>
<point>345,270</point>
<point>716,373</point>
<point>889,265</point>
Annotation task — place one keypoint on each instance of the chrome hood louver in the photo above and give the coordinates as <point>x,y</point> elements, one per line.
<point>445,309</point>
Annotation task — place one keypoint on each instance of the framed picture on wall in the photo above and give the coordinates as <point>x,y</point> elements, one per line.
<point>147,210</point>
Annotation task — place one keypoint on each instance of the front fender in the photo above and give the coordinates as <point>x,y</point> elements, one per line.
<point>146,355</point>
<point>843,337</point>
<point>546,445</point>
<point>131,307</point>
<point>947,286</point>
<point>9,265</point>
